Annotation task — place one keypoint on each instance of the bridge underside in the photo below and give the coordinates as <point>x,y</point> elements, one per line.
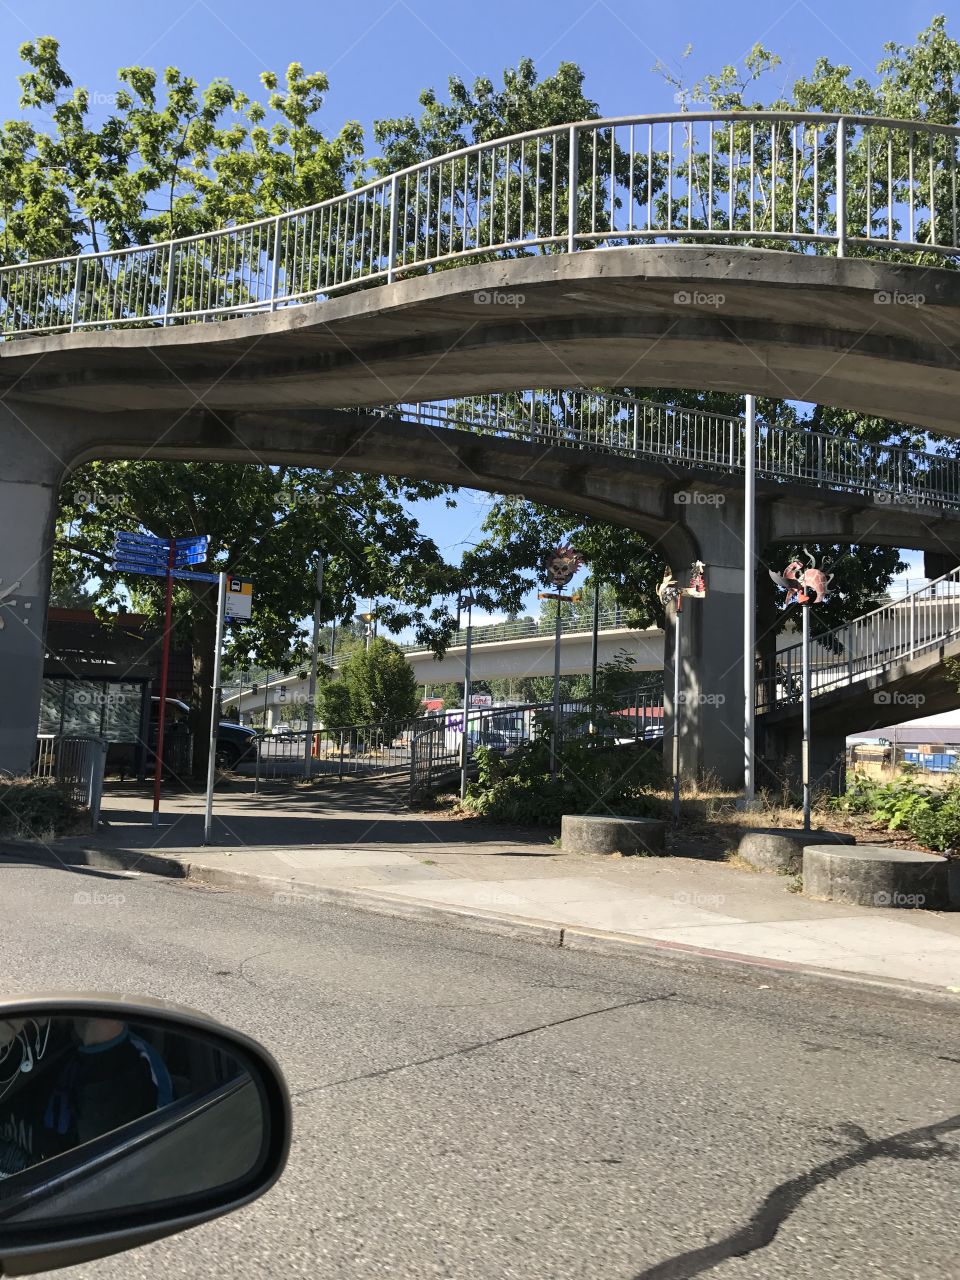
<point>786,325</point>
<point>686,515</point>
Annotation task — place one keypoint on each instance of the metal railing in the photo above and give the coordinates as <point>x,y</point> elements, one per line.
<point>430,745</point>
<point>896,632</point>
<point>365,749</point>
<point>79,767</point>
<point>699,439</point>
<point>528,628</point>
<point>807,182</point>
<point>630,717</point>
<point>46,755</point>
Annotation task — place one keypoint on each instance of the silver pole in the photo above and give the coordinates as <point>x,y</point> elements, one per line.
<point>593,657</point>
<point>749,596</point>
<point>214,712</point>
<point>555,742</point>
<point>314,668</point>
<point>805,753</point>
<point>676,713</point>
<point>464,747</point>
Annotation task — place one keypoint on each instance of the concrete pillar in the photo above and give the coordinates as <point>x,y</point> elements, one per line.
<point>29,484</point>
<point>711,718</point>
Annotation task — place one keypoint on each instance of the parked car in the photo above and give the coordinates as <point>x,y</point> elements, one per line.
<point>235,742</point>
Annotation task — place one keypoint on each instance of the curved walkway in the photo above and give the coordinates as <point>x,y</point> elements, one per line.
<point>698,439</point>
<point>802,182</point>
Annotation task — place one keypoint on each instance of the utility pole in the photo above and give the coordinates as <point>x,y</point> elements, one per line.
<point>314,668</point>
<point>593,656</point>
<point>749,598</point>
<point>214,712</point>
<point>464,740</point>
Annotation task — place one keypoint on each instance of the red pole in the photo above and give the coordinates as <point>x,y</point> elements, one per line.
<point>164,672</point>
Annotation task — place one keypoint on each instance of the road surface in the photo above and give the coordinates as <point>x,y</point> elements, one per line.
<point>475,1107</point>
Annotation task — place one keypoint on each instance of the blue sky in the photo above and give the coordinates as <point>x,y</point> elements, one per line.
<point>379,55</point>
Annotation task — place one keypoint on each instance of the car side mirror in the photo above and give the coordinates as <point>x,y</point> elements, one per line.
<point>123,1120</point>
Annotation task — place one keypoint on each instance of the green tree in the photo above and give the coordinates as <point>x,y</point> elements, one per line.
<point>171,159</point>
<point>381,684</point>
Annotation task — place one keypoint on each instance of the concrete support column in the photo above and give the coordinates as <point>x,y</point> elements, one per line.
<point>29,484</point>
<point>711,717</point>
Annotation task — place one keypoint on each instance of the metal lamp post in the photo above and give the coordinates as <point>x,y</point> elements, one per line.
<point>314,669</point>
<point>805,585</point>
<point>465,735</point>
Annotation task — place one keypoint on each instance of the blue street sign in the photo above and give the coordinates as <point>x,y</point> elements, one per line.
<point>155,571</point>
<point>194,557</point>
<point>139,561</point>
<point>199,543</point>
<point>142,540</point>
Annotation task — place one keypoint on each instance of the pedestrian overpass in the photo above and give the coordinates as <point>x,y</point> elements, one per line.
<point>792,254</point>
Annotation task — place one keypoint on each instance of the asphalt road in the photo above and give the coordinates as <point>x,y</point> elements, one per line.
<point>476,1107</point>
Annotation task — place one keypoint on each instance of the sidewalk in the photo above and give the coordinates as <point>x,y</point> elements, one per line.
<point>305,848</point>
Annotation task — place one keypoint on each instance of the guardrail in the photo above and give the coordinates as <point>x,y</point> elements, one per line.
<point>698,439</point>
<point>806,182</point>
<point>895,632</point>
<point>428,746</point>
<point>528,628</point>
<point>79,766</point>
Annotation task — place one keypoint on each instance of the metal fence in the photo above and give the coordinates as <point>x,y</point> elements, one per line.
<point>528,628</point>
<point>698,439</point>
<point>429,747</point>
<point>79,766</point>
<point>808,182</point>
<point>896,632</point>
<point>45,756</point>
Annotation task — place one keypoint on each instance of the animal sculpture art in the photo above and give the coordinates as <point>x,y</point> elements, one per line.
<point>804,584</point>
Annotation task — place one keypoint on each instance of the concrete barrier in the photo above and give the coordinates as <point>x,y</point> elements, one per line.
<point>781,848</point>
<point>600,834</point>
<point>871,875</point>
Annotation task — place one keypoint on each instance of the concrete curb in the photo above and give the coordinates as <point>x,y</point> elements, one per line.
<point>544,933</point>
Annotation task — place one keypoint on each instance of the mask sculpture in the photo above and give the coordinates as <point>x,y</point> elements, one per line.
<point>803,584</point>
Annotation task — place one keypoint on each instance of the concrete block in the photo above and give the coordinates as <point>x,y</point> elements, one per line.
<point>601,834</point>
<point>781,848</point>
<point>871,875</point>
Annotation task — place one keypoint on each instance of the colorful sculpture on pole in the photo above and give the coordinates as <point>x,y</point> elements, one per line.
<point>669,590</point>
<point>803,584</point>
<point>561,564</point>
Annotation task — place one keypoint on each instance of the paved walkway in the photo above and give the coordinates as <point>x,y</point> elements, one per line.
<point>309,847</point>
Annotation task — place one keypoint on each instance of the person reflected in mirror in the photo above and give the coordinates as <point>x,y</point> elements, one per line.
<point>105,1077</point>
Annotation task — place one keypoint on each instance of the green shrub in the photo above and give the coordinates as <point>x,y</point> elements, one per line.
<point>518,788</point>
<point>930,815</point>
<point>36,809</point>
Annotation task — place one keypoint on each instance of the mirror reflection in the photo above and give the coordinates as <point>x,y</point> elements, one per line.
<point>98,1114</point>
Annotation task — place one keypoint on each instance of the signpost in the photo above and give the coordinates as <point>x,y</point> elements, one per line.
<point>559,565</point>
<point>167,558</point>
<point>234,601</point>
